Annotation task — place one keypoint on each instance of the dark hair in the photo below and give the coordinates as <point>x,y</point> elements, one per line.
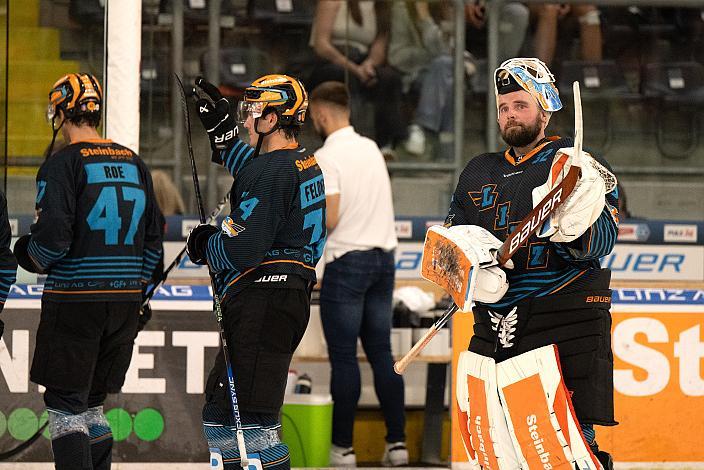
<point>86,119</point>
<point>331,92</point>
<point>291,132</point>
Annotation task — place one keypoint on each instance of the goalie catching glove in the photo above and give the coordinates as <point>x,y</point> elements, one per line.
<point>582,207</point>
<point>214,113</point>
<point>463,261</point>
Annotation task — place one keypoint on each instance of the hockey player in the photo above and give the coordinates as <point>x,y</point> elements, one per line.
<point>558,292</point>
<point>97,237</point>
<point>263,258</point>
<point>8,264</point>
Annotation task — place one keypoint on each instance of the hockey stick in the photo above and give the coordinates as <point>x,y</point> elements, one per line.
<point>213,215</point>
<point>528,226</point>
<point>244,460</point>
<point>21,447</point>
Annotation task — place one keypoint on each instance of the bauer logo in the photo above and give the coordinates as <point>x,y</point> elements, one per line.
<point>676,233</point>
<point>633,232</point>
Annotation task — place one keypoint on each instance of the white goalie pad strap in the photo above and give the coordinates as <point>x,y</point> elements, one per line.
<point>462,260</point>
<point>582,207</point>
<point>539,413</point>
<point>485,434</point>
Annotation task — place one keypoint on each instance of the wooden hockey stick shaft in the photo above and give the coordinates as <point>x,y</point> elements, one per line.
<point>528,226</point>
<point>401,364</point>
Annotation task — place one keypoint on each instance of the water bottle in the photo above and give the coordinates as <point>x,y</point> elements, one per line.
<point>303,384</point>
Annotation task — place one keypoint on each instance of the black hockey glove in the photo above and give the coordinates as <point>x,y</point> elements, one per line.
<point>23,258</point>
<point>215,114</point>
<point>196,242</point>
<point>145,314</point>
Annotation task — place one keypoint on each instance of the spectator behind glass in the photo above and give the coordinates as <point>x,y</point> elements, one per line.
<point>167,196</point>
<point>547,16</point>
<point>513,24</point>
<point>350,39</point>
<point>420,49</point>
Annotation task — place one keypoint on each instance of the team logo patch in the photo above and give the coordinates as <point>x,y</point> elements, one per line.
<point>485,198</point>
<point>230,228</point>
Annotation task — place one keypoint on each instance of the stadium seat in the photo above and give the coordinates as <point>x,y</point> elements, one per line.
<point>239,67</point>
<point>282,12</point>
<point>676,89</point>
<point>602,86</point>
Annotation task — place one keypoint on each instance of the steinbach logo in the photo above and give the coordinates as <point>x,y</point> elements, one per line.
<point>538,442</point>
<point>535,221</point>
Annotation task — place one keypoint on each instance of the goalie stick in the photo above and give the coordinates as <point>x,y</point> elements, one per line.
<point>528,226</point>
<point>244,460</point>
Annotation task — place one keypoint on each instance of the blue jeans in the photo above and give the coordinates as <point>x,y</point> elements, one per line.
<point>355,301</point>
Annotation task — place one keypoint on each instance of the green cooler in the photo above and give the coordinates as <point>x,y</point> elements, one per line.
<point>306,423</point>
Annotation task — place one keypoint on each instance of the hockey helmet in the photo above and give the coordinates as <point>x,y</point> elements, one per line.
<point>75,94</point>
<point>531,75</point>
<point>282,93</point>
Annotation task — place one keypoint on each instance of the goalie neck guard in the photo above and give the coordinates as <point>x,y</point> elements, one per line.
<point>531,75</point>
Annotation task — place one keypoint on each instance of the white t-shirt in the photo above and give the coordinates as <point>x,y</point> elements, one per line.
<point>354,168</point>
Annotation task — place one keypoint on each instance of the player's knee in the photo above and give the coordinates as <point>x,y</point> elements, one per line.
<point>98,426</point>
<point>63,423</point>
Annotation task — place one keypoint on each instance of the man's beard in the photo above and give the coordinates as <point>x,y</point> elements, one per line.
<point>521,135</point>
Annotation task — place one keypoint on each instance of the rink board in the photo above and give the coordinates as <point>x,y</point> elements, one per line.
<point>658,346</point>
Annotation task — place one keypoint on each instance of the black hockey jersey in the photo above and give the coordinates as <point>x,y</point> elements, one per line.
<point>98,233</point>
<point>8,264</point>
<point>277,217</point>
<point>495,192</point>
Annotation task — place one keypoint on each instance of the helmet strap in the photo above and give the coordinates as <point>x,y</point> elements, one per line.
<point>275,128</point>
<point>55,131</point>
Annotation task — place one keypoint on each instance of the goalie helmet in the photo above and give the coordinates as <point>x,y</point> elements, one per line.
<point>531,75</point>
<point>75,94</point>
<point>282,93</point>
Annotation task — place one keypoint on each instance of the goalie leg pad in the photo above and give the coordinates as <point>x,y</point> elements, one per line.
<point>579,323</point>
<point>482,422</point>
<point>539,412</point>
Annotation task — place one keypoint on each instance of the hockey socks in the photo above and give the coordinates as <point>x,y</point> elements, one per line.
<point>100,438</point>
<point>264,448</point>
<point>69,441</point>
